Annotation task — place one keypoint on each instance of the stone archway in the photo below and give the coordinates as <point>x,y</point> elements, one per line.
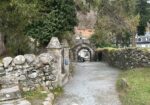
<point>84,54</point>
<point>76,50</point>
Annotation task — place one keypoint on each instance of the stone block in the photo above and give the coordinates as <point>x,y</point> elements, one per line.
<point>10,93</point>
<point>6,61</point>
<point>19,60</point>
<point>45,58</point>
<point>30,58</point>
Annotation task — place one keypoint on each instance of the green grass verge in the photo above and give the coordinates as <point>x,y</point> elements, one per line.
<point>36,94</point>
<point>58,91</point>
<point>138,90</point>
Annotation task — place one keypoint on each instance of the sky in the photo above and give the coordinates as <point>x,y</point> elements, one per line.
<point>148,1</point>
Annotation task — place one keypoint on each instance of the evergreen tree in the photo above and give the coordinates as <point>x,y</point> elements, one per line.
<point>11,26</point>
<point>56,17</point>
<point>143,9</point>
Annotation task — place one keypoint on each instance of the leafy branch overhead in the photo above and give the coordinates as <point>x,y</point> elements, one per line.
<point>39,19</point>
<point>119,21</point>
<point>56,17</point>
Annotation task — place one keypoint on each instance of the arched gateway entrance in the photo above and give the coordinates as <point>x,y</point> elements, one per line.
<point>83,51</point>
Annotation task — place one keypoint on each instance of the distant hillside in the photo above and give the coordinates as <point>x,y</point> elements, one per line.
<point>87,19</point>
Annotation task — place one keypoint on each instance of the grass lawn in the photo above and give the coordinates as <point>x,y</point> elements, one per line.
<point>138,90</point>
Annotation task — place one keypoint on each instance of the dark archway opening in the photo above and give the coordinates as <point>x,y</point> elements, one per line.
<point>83,55</point>
<point>99,56</point>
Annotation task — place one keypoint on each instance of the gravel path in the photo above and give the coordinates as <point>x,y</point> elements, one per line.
<point>92,84</point>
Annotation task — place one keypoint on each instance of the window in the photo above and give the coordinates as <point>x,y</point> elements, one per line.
<point>139,39</point>
<point>146,39</point>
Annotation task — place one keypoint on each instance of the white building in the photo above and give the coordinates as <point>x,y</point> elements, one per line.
<point>143,41</point>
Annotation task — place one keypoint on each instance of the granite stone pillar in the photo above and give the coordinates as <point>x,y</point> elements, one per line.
<point>66,61</point>
<point>55,48</point>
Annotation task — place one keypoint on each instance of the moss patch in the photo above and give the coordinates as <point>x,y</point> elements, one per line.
<point>58,91</point>
<point>36,97</point>
<point>138,92</point>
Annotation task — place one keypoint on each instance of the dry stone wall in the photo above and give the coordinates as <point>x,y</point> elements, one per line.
<point>29,72</point>
<point>126,58</point>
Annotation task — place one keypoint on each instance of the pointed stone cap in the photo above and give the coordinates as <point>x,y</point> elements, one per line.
<point>65,43</point>
<point>54,43</point>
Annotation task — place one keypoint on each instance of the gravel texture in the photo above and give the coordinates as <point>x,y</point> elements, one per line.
<point>92,84</point>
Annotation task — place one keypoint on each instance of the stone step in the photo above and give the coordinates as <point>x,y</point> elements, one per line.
<point>10,93</point>
<point>16,102</point>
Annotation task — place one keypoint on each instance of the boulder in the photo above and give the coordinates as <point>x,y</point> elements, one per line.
<point>6,61</point>
<point>30,58</point>
<point>45,58</point>
<point>124,84</point>
<point>19,60</point>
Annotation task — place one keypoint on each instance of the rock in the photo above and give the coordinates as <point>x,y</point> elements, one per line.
<point>9,69</point>
<point>19,60</point>
<point>30,58</point>
<point>7,103</point>
<point>47,103</point>
<point>1,65</point>
<point>2,71</point>
<point>24,102</point>
<point>48,99</point>
<point>51,95</point>
<point>25,66</point>
<point>22,78</point>
<point>48,83</point>
<point>33,75</point>
<point>52,77</point>
<point>37,63</point>
<point>6,61</point>
<point>25,89</point>
<point>18,67</point>
<point>10,93</point>
<point>54,72</point>
<point>15,102</point>
<point>13,64</point>
<point>124,84</point>
<point>45,58</point>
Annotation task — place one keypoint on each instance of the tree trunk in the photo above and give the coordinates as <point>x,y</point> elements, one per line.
<point>133,40</point>
<point>2,45</point>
